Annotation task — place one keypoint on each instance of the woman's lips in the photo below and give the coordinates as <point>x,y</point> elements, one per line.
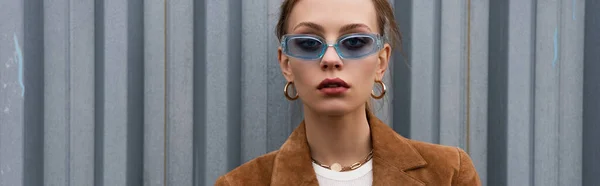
<point>333,86</point>
<point>333,90</point>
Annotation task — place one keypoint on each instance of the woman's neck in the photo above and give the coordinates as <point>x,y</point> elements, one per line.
<point>342,139</point>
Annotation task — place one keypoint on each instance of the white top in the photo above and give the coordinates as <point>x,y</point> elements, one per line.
<point>357,177</point>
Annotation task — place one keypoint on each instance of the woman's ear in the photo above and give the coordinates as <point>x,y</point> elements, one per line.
<point>384,59</point>
<point>284,64</point>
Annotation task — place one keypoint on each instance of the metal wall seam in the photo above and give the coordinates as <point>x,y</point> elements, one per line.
<point>217,102</point>
<point>591,103</point>
<point>31,80</point>
<point>453,58</point>
<point>467,94</point>
<point>547,87</point>
<point>154,93</point>
<point>82,108</point>
<point>497,95</point>
<point>12,97</point>
<point>115,93</point>
<point>478,82</point>
<point>57,98</point>
<point>401,66</point>
<point>254,77</point>
<point>200,98</point>
<point>571,54</point>
<point>425,66</point>
<point>179,92</point>
<point>521,23</point>
<point>135,92</point>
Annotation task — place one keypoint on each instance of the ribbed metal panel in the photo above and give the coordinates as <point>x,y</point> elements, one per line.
<point>155,92</point>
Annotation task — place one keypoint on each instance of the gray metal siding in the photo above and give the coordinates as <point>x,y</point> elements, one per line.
<point>591,100</point>
<point>155,92</point>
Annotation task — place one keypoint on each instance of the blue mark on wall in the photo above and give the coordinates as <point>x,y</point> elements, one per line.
<point>555,47</point>
<point>19,61</point>
<point>573,9</point>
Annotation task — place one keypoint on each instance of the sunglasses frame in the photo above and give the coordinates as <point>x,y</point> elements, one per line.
<point>378,39</point>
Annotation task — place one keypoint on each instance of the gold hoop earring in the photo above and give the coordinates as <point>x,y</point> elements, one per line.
<point>382,91</point>
<point>285,91</point>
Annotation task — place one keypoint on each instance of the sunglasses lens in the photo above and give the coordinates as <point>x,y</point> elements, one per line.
<point>304,47</point>
<point>357,46</point>
<point>349,47</point>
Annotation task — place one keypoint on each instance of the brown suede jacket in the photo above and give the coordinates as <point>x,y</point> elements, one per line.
<point>396,161</point>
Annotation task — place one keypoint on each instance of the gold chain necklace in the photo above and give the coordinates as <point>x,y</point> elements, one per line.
<point>338,168</point>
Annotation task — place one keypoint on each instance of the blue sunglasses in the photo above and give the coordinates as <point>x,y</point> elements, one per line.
<point>311,47</point>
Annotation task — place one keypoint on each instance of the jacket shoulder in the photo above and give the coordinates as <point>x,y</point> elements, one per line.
<point>254,172</point>
<point>431,151</point>
<point>447,160</point>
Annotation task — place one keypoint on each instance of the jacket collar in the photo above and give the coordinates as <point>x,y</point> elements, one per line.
<point>392,157</point>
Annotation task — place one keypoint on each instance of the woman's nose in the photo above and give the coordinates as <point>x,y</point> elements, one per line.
<point>331,60</point>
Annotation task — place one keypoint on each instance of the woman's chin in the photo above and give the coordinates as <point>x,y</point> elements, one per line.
<point>333,109</point>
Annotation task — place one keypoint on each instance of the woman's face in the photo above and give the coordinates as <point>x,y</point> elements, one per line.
<point>330,84</point>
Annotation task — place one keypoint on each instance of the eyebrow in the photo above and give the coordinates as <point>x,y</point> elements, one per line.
<point>353,26</point>
<point>310,25</point>
<point>320,28</point>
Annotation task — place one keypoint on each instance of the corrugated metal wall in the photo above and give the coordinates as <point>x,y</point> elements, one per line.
<point>178,92</point>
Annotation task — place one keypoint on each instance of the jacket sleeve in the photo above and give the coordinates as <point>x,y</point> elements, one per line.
<point>467,174</point>
<point>222,181</point>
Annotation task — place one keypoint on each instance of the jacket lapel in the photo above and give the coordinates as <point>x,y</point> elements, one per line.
<point>293,165</point>
<point>392,157</point>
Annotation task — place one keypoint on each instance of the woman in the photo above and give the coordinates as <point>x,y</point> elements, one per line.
<point>332,53</point>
